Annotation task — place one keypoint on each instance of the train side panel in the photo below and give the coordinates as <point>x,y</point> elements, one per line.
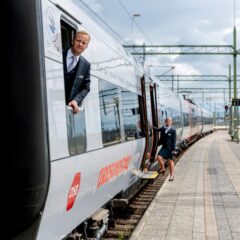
<point>103,174</point>
<point>87,172</point>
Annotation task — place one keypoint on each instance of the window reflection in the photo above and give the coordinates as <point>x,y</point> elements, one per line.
<point>120,117</point>
<point>110,116</point>
<point>131,115</point>
<point>185,119</point>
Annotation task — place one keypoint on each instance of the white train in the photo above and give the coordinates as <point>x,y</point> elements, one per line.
<point>66,169</point>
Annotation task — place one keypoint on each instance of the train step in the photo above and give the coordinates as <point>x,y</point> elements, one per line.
<point>147,174</point>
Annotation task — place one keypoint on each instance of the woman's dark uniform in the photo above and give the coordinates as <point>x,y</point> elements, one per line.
<point>168,142</point>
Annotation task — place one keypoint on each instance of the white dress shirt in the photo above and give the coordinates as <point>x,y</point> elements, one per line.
<point>69,60</point>
<point>167,129</point>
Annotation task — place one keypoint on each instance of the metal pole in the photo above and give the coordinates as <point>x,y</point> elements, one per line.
<point>215,114</point>
<point>172,83</point>
<point>133,27</point>
<point>229,82</point>
<point>203,97</point>
<point>224,96</point>
<point>132,40</point>
<point>210,104</point>
<point>235,117</point>
<point>178,85</point>
<point>225,112</point>
<point>143,54</point>
<point>230,99</point>
<point>133,35</point>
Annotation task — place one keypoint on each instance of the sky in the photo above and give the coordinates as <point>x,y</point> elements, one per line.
<point>174,22</point>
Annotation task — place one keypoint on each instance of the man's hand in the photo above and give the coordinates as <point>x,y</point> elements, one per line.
<point>74,106</point>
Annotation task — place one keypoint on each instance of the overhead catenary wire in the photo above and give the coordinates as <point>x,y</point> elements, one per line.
<point>106,24</point>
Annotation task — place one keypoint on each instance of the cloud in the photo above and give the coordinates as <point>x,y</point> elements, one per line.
<point>177,22</point>
<point>96,6</point>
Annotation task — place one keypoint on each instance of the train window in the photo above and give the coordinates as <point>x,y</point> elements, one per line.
<point>131,115</point>
<point>185,119</point>
<point>76,127</point>
<point>110,103</point>
<point>67,32</point>
<point>195,118</point>
<point>177,121</point>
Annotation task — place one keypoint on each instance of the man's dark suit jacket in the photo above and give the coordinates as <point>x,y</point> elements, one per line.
<point>81,81</point>
<point>167,140</point>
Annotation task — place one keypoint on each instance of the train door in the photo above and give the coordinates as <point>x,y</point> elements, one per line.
<point>149,114</point>
<point>154,111</point>
<point>149,118</point>
<point>144,120</point>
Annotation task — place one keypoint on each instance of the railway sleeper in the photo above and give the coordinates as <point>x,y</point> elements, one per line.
<point>119,203</point>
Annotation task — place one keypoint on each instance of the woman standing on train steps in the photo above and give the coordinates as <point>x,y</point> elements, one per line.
<point>168,142</point>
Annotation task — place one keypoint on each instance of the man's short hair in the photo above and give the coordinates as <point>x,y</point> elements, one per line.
<point>83,32</point>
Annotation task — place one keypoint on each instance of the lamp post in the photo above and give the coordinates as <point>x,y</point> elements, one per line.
<point>230,100</point>
<point>203,97</point>
<point>185,94</point>
<point>170,68</point>
<point>235,136</point>
<point>133,26</point>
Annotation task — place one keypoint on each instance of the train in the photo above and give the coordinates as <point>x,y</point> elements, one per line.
<point>67,171</point>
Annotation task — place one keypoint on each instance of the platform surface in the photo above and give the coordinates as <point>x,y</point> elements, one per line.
<point>203,201</point>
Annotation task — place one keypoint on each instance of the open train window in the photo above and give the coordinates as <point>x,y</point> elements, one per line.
<point>67,32</point>
<point>76,127</point>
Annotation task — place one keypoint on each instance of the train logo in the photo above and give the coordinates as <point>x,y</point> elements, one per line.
<point>73,192</point>
<point>52,30</point>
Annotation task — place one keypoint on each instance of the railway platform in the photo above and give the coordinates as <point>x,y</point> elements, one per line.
<point>203,201</point>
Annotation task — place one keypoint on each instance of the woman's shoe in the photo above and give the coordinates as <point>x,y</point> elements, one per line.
<point>171,178</point>
<point>162,171</point>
